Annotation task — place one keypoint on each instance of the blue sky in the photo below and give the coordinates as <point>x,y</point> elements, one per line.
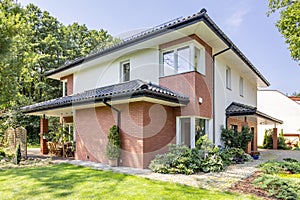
<point>243,21</point>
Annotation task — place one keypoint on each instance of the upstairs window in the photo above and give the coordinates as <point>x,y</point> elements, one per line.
<point>241,84</point>
<point>125,71</point>
<point>64,88</point>
<point>228,78</point>
<point>182,59</point>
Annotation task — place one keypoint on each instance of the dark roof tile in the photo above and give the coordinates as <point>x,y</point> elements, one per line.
<point>126,90</point>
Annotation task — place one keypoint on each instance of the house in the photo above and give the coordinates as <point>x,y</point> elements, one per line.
<point>168,84</point>
<point>280,106</point>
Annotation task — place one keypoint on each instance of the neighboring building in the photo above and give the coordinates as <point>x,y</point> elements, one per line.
<point>168,84</point>
<point>280,106</point>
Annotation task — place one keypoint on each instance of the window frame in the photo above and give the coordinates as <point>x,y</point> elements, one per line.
<point>192,129</point>
<point>241,86</point>
<point>122,64</point>
<point>191,45</point>
<point>228,77</point>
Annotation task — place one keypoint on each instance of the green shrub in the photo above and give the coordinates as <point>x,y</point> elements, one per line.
<point>278,187</point>
<point>277,167</point>
<point>234,156</point>
<point>232,139</point>
<point>268,140</point>
<point>2,153</point>
<point>113,146</point>
<point>176,161</point>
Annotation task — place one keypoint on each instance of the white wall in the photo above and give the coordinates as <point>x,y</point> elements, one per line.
<point>278,105</point>
<point>224,96</point>
<point>144,65</point>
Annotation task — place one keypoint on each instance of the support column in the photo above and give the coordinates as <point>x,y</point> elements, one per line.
<point>275,138</point>
<point>245,123</point>
<point>43,131</point>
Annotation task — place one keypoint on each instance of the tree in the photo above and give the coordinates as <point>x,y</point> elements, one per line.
<point>31,43</point>
<point>289,23</point>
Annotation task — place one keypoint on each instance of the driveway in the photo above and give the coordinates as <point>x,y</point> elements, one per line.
<point>270,154</point>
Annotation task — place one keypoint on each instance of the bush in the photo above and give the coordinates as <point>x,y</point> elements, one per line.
<point>181,159</point>
<point>234,139</point>
<point>278,187</point>
<point>277,167</point>
<point>113,146</point>
<point>233,156</point>
<point>268,140</point>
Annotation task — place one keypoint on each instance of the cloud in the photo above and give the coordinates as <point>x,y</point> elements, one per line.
<point>234,21</point>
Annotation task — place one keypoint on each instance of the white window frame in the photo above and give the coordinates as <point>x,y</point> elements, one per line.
<point>64,87</point>
<point>228,77</point>
<point>201,68</point>
<point>241,86</point>
<point>192,129</point>
<point>122,70</point>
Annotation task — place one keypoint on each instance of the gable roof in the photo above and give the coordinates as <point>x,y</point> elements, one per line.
<point>238,109</point>
<point>126,90</point>
<point>168,27</point>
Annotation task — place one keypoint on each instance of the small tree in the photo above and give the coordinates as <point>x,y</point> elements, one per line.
<point>237,140</point>
<point>18,154</point>
<point>113,146</point>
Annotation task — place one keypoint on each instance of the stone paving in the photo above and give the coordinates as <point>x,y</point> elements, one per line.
<point>212,181</point>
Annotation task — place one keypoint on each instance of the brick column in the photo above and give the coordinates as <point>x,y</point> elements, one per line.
<point>43,130</point>
<point>275,138</point>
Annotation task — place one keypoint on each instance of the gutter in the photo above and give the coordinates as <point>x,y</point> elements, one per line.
<point>214,90</point>
<point>118,114</point>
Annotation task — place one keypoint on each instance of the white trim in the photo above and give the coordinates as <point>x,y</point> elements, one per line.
<point>192,132</point>
<point>64,87</point>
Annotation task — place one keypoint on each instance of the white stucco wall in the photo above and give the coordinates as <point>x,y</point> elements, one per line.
<point>224,96</point>
<point>278,105</point>
<point>144,65</point>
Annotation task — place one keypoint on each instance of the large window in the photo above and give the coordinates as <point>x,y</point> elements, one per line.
<point>190,129</point>
<point>228,78</point>
<point>125,71</point>
<point>182,59</point>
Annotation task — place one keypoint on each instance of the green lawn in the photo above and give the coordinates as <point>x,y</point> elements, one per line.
<point>73,182</point>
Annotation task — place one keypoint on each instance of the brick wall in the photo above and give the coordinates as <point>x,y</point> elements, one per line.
<point>146,129</point>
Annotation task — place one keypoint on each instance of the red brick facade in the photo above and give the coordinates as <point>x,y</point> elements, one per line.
<point>146,129</point>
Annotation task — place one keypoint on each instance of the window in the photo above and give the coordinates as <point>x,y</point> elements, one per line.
<point>241,87</point>
<point>125,71</point>
<point>182,59</point>
<point>190,129</point>
<point>65,88</point>
<point>168,63</point>
<point>199,60</point>
<point>176,61</point>
<point>228,78</point>
<point>234,128</point>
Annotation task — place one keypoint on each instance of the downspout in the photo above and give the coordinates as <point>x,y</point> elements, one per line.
<point>214,91</point>
<point>118,114</point>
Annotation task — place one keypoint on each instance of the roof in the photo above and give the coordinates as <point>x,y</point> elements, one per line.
<point>160,30</point>
<point>126,90</point>
<point>238,109</point>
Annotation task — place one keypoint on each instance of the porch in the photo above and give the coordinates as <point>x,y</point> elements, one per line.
<point>239,115</point>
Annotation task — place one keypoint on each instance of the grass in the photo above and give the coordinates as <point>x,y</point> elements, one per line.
<point>66,181</point>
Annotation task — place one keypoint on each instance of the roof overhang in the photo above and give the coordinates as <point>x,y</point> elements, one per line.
<point>242,110</point>
<point>68,110</point>
<point>199,24</point>
<point>122,93</point>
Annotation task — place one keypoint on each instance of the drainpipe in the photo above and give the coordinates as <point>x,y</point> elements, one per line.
<point>214,91</point>
<point>118,114</point>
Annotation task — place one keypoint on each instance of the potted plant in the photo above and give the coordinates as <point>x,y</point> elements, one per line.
<point>113,146</point>
<point>255,155</point>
